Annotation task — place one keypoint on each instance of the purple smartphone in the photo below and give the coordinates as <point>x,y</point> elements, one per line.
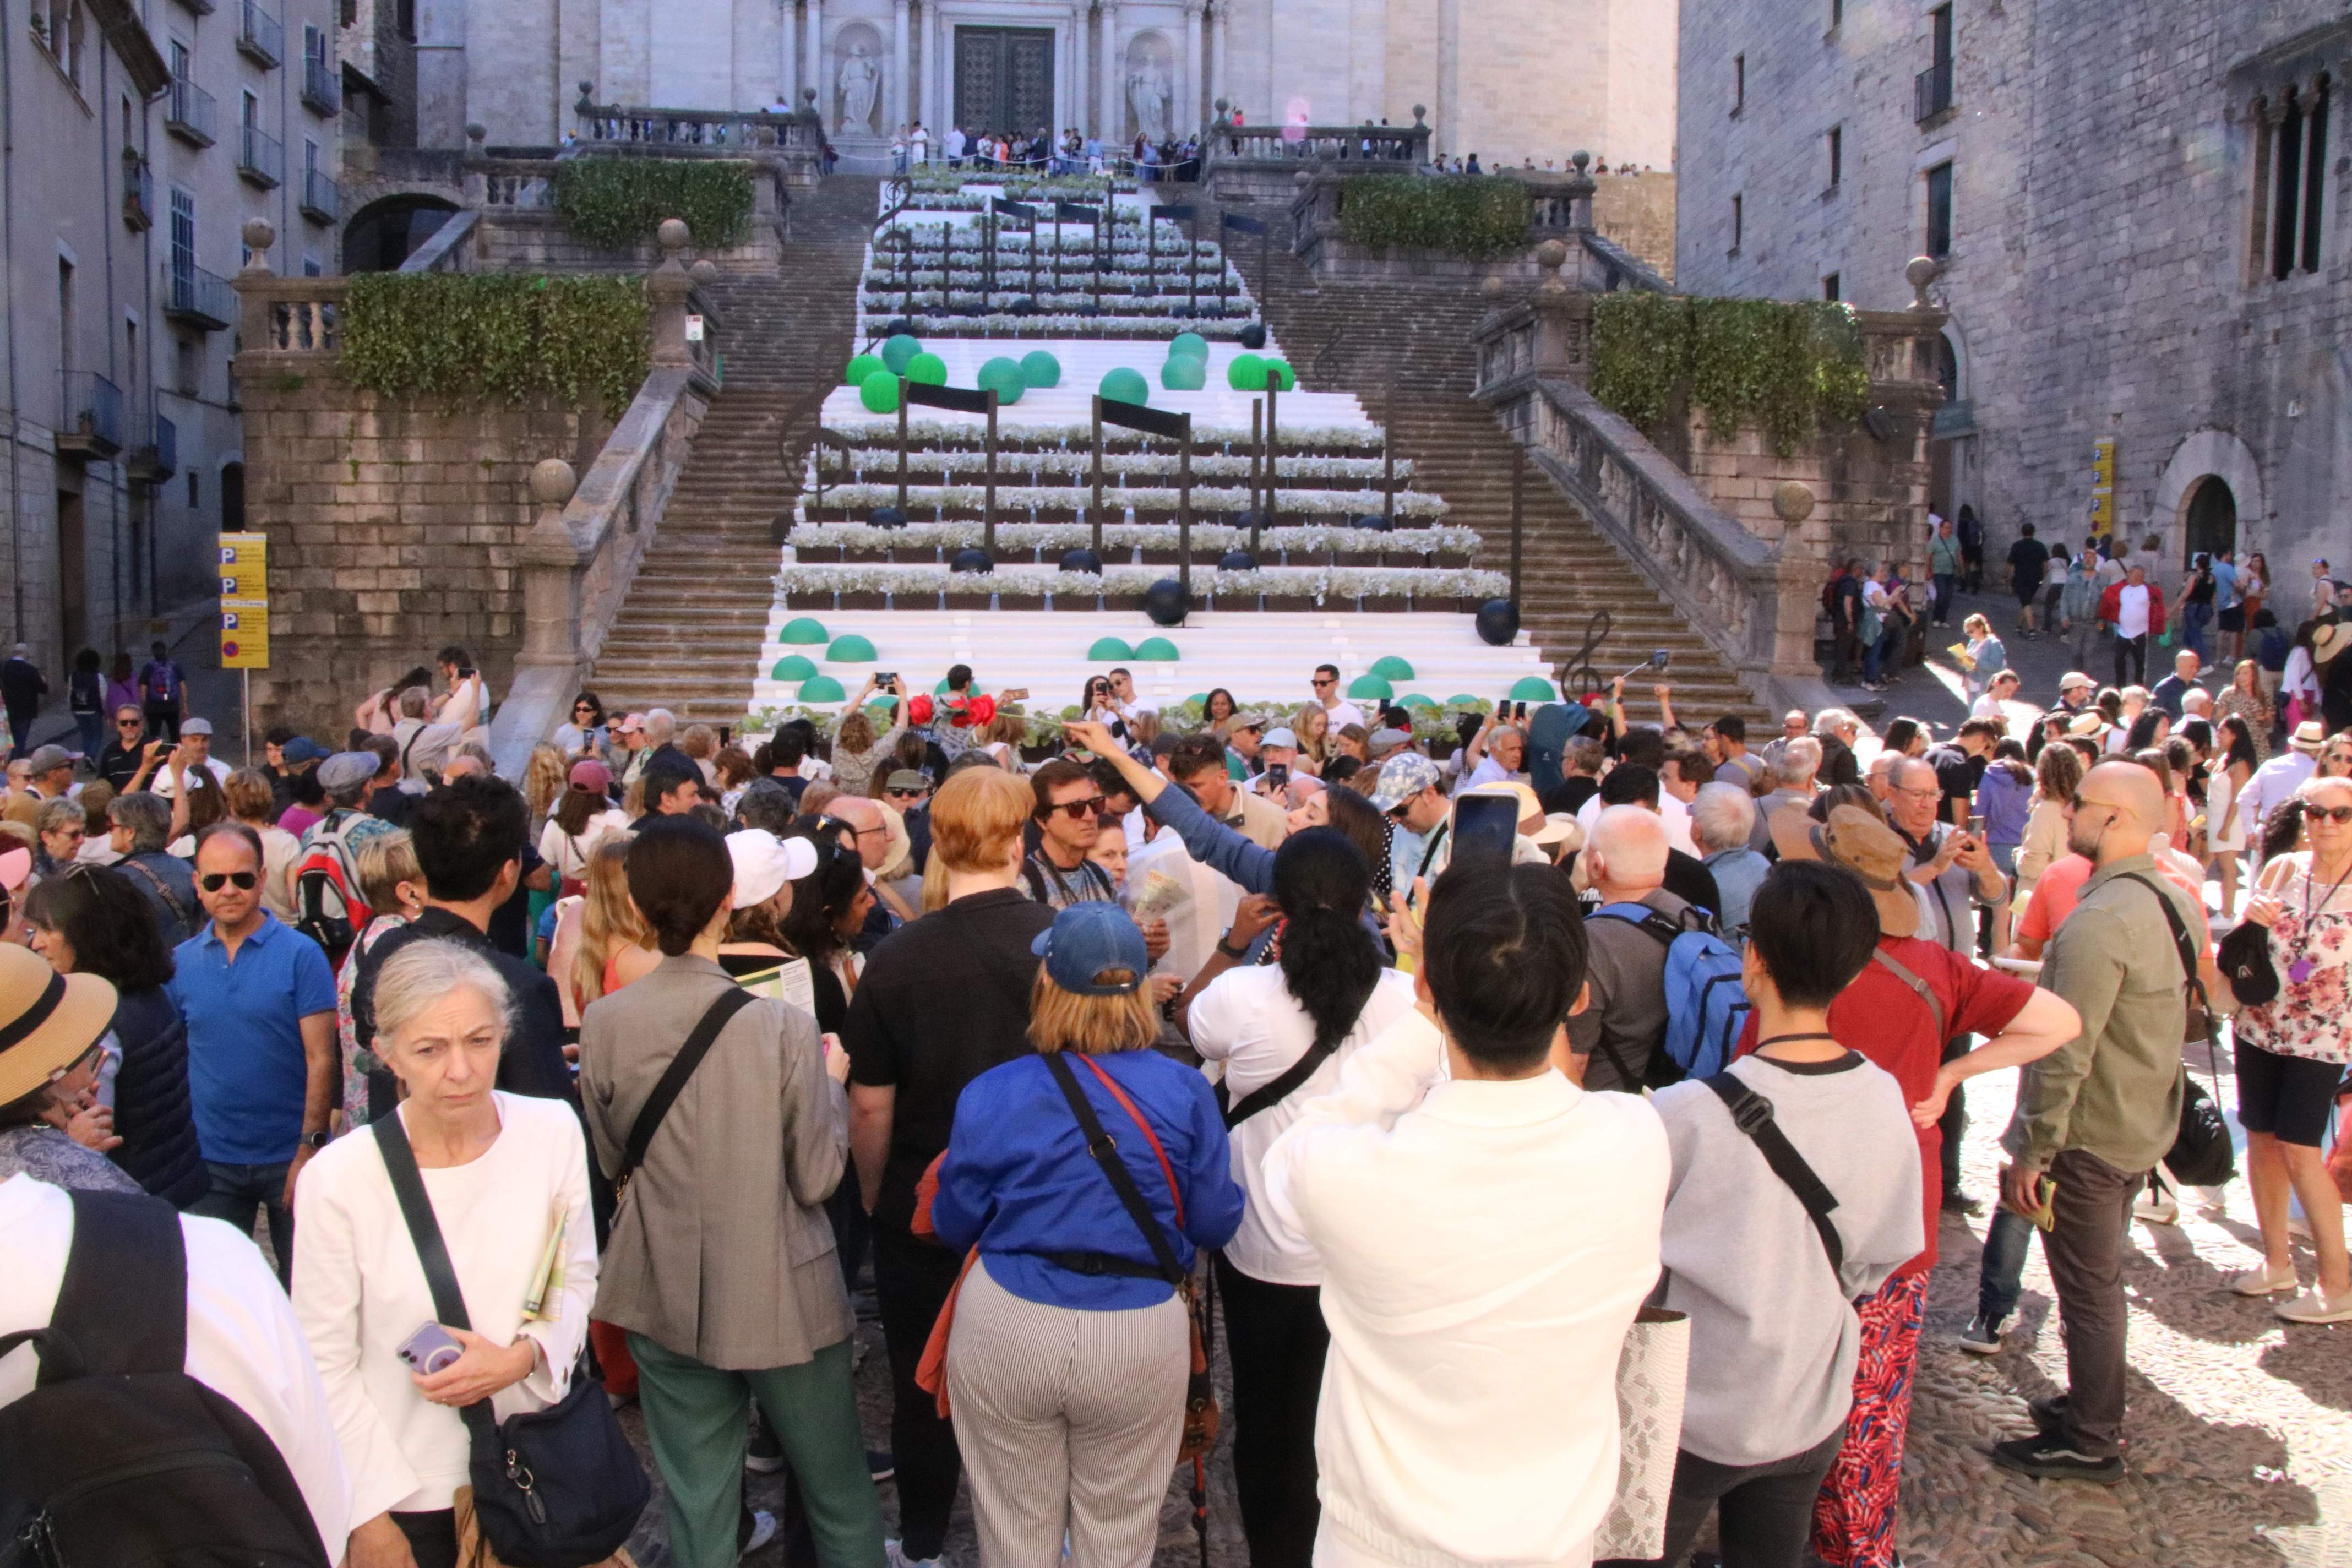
<point>430,1349</point>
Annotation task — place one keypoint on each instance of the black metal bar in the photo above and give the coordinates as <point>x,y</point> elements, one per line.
<point>1519,514</point>
<point>1150,421</point>
<point>1257,513</point>
<point>1273,480</point>
<point>1184,511</point>
<point>988,506</point>
<point>903,384</point>
<point>1388,457</point>
<point>1095,515</point>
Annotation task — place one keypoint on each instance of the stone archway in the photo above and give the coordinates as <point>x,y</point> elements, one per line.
<point>385,232</point>
<point>2208,454</point>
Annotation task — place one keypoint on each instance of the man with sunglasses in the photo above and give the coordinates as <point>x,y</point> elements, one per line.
<point>260,1001</point>
<point>1057,872</point>
<point>121,759</point>
<point>909,793</point>
<point>1342,713</point>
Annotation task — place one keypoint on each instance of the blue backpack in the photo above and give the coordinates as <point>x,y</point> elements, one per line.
<point>1706,1005</point>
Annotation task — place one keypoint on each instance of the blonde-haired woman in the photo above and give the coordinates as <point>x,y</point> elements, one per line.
<point>2056,776</point>
<point>1312,725</point>
<point>1987,657</point>
<point>251,802</point>
<point>613,946</point>
<point>393,886</point>
<point>2245,699</point>
<point>506,1178</point>
<point>1070,1352</point>
<point>858,753</point>
<point>542,783</point>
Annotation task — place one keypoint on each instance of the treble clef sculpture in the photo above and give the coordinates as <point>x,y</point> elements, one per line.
<point>1578,669</point>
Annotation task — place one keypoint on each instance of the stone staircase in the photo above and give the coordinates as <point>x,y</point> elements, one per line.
<point>696,616</point>
<point>1365,338</point>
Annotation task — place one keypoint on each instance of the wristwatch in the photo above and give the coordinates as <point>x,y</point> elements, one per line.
<point>314,1141</point>
<point>1235,953</point>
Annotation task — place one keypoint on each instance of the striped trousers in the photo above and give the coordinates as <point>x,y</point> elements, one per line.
<point>1854,1516</point>
<point>1067,1420</point>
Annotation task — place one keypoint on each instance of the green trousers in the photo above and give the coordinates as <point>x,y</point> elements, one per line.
<point>695,1420</point>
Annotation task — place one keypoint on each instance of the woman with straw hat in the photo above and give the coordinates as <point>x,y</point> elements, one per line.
<point>50,1025</point>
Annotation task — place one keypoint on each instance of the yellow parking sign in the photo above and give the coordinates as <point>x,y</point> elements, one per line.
<point>245,601</point>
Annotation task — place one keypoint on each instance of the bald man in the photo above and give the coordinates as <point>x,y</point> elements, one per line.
<point>2096,1115</point>
<point>1624,1025</point>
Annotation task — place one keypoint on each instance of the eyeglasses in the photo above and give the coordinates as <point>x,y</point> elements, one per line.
<point>1076,810</point>
<point>2339,814</point>
<point>211,881</point>
<point>582,708</point>
<point>126,723</point>
<point>906,793</point>
<point>1325,680</point>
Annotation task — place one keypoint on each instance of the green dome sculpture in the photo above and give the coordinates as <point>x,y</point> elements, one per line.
<point>1533,689</point>
<point>1370,686</point>
<point>1109,648</point>
<point>1157,650</point>
<point>793,667</point>
<point>1393,668</point>
<point>928,368</point>
<point>1279,375</point>
<point>1418,699</point>
<point>1004,375</point>
<point>1182,373</point>
<point>1039,368</point>
<point>822,689</point>
<point>802,629</point>
<point>1126,385</point>
<point>850,648</point>
<point>1246,373</point>
<point>899,350</point>
<point>1462,700</point>
<point>1190,343</point>
<point>860,368</point>
<point>880,392</point>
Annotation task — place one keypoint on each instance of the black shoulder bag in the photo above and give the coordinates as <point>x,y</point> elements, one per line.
<point>559,1487</point>
<point>2202,1154</point>
<point>731,1001</point>
<point>1752,1114</point>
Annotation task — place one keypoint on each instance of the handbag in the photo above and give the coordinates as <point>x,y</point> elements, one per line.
<point>559,1487</point>
<point>2245,957</point>
<point>2202,1154</point>
<point>1653,1374</point>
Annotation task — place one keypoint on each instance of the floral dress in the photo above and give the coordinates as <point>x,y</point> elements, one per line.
<point>2306,1018</point>
<point>2254,711</point>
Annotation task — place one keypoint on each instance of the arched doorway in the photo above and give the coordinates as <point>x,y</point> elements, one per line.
<point>385,234</point>
<point>2212,518</point>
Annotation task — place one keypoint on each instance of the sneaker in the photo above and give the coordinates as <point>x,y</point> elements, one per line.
<point>2266,1282</point>
<point>2049,1414</point>
<point>2156,1208</point>
<point>880,1466</point>
<point>2051,1458</point>
<point>1957,1202</point>
<point>2213,1200</point>
<point>2314,1306</point>
<point>1983,1336</point>
<point>894,1555</point>
<point>765,1454</point>
<point>763,1531</point>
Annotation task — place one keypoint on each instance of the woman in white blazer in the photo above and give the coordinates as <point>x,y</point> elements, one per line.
<point>507,1177</point>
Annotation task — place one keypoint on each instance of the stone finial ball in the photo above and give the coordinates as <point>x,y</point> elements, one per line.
<point>1551,255</point>
<point>475,131</point>
<point>1302,179</point>
<point>673,233</point>
<point>1792,502</point>
<point>552,481</point>
<point>1492,287</point>
<point>258,234</point>
<point>704,271</point>
<point>1581,158</point>
<point>1921,271</point>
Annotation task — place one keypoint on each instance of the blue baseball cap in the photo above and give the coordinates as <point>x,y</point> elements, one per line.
<point>1087,939</point>
<point>302,749</point>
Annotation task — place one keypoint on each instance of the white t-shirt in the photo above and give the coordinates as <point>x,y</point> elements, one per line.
<point>166,782</point>
<point>1344,714</point>
<point>1672,812</point>
<point>1248,1020</point>
<point>568,855</point>
<point>2131,611</point>
<point>1987,707</point>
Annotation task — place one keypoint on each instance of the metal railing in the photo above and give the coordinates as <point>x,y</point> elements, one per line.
<point>190,113</point>
<point>198,298</point>
<point>154,450</point>
<point>138,192</point>
<point>1931,91</point>
<point>322,199</point>
<point>322,85</point>
<point>1404,146</point>
<point>260,157</point>
<point>93,414</point>
<point>260,37</point>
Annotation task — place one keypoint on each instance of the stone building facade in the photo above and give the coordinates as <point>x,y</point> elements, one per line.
<point>2138,212</point>
<point>1506,78</point>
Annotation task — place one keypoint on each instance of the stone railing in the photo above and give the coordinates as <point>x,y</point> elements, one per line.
<point>793,138</point>
<point>289,315</point>
<point>446,250</point>
<point>1620,269</point>
<point>1256,162</point>
<point>582,553</point>
<point>1560,207</point>
<point>521,232</point>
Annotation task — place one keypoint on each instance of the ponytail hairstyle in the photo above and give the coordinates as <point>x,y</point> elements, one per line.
<point>1329,962</point>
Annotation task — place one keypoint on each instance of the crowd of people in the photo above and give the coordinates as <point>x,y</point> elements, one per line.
<point>1292,1036</point>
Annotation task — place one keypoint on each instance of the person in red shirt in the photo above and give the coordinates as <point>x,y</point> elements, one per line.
<point>1913,996</point>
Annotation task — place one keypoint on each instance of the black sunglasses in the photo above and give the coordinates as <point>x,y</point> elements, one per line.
<point>2336,814</point>
<point>906,793</point>
<point>211,881</point>
<point>126,723</point>
<point>1077,810</point>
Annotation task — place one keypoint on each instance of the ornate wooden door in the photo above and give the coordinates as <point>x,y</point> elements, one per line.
<point>1004,79</point>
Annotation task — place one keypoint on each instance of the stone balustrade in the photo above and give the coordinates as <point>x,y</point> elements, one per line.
<point>793,139</point>
<point>1560,207</point>
<point>1257,162</point>
<point>447,249</point>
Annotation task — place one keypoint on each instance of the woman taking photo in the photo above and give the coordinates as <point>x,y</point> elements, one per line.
<point>2291,1053</point>
<point>721,1265</point>
<point>582,734</point>
<point>91,920</point>
<point>507,1178</point>
<point>2253,587</point>
<point>1070,1355</point>
<point>858,753</point>
<point>1282,1032</point>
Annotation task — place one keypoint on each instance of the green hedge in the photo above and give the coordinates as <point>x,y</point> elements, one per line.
<point>1789,369</point>
<point>1474,218</point>
<point>614,202</point>
<point>493,337</point>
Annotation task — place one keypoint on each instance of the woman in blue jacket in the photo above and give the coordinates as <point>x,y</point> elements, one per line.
<point>1086,1176</point>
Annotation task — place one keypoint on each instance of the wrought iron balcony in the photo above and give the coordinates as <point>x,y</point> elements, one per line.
<point>189,114</point>
<point>198,299</point>
<point>322,199</point>
<point>92,427</point>
<point>138,193</point>
<point>258,37</point>
<point>1931,92</point>
<point>322,86</point>
<point>260,157</point>
<point>154,452</point>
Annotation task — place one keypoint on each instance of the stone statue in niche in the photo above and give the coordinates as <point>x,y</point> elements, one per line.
<point>1148,90</point>
<point>861,84</point>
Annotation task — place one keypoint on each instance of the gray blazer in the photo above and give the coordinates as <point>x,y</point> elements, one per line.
<point>720,1249</point>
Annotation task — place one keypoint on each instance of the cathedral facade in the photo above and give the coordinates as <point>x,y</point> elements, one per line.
<point>1512,80</point>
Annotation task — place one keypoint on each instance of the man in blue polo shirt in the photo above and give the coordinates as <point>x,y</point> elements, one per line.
<point>259,1002</point>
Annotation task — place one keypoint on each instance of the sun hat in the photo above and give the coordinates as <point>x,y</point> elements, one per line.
<point>2092,724</point>
<point>2309,736</point>
<point>2073,678</point>
<point>348,770</point>
<point>1862,844</point>
<point>49,758</point>
<point>1402,778</point>
<point>590,775</point>
<point>195,727</point>
<point>1087,939</point>
<point>47,1021</point>
<point>1280,735</point>
<point>301,748</point>
<point>1532,820</point>
<point>764,863</point>
<point>2328,640</point>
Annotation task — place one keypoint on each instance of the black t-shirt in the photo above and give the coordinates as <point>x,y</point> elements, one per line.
<point>1956,775</point>
<point>118,766</point>
<point>2029,558</point>
<point>941,1002</point>
<point>510,921</point>
<point>1688,879</point>
<point>1570,793</point>
<point>392,803</point>
<point>532,1062</point>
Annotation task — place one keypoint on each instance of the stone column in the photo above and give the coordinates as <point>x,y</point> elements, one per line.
<point>1187,117</point>
<point>1081,114</point>
<point>815,74</point>
<point>788,59</point>
<point>937,104</point>
<point>1220,45</point>
<point>899,56</point>
<point>1114,119</point>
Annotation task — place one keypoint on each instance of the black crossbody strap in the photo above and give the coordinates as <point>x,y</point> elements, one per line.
<point>1105,1153</point>
<point>1266,1096</point>
<point>1879,956</point>
<point>733,1000</point>
<point>1752,1114</point>
<point>432,1252</point>
<point>2183,945</point>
